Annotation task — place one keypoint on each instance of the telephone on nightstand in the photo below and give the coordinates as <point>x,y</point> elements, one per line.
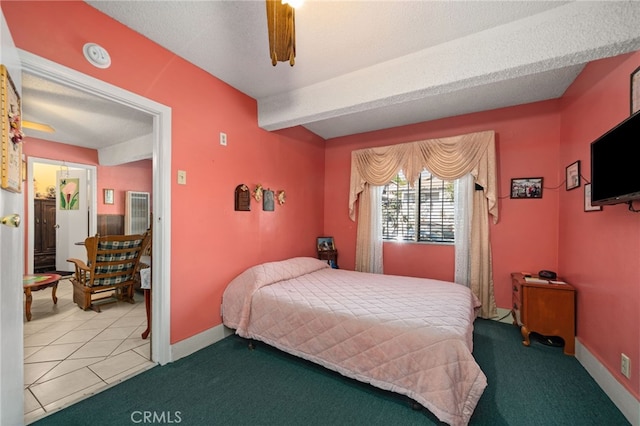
<point>549,275</point>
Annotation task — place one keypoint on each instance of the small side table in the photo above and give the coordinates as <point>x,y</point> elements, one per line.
<point>39,282</point>
<point>330,256</point>
<point>546,307</point>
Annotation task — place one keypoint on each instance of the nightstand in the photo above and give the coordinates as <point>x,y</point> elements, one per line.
<point>545,308</point>
<point>330,256</point>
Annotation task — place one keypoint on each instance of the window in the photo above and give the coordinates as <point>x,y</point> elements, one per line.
<point>423,213</point>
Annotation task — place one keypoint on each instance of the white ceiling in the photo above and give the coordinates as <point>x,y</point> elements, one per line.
<point>360,65</point>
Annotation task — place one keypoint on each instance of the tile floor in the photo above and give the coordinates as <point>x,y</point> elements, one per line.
<point>70,354</point>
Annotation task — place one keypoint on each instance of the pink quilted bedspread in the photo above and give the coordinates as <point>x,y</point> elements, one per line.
<point>408,335</point>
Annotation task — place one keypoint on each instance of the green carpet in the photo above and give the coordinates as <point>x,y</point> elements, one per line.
<point>227,384</point>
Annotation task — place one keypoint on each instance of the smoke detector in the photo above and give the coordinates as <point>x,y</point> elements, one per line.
<point>96,55</point>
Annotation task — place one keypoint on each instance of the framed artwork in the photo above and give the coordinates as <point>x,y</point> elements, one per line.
<point>69,194</point>
<point>108,196</point>
<point>325,244</point>
<point>635,91</point>
<point>267,200</point>
<point>11,114</point>
<point>526,187</point>
<point>587,200</point>
<point>573,175</point>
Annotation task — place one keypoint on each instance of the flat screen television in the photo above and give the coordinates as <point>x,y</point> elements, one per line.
<point>615,164</point>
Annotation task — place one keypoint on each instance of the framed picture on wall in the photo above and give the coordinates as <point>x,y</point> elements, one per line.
<point>587,200</point>
<point>526,187</point>
<point>573,175</point>
<point>108,196</point>
<point>10,119</point>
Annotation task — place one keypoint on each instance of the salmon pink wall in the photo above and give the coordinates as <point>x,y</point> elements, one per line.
<point>600,251</point>
<point>210,242</point>
<point>135,176</point>
<point>120,178</point>
<point>526,235</point>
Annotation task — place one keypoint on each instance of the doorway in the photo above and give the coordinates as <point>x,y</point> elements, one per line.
<point>41,175</point>
<point>161,141</point>
<point>161,158</point>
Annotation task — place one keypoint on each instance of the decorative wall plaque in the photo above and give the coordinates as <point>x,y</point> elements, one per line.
<point>242,198</point>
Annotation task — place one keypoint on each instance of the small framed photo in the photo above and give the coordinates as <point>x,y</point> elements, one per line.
<point>573,175</point>
<point>108,196</point>
<point>587,200</point>
<point>325,244</point>
<point>526,187</point>
<point>635,91</point>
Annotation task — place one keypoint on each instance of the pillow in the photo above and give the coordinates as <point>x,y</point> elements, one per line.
<point>236,300</point>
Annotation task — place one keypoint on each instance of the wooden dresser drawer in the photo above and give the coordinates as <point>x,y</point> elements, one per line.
<point>545,308</point>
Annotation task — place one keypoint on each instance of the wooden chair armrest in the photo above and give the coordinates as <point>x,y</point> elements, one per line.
<point>82,274</point>
<point>79,264</point>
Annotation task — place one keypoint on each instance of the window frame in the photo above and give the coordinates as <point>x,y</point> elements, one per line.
<point>415,194</point>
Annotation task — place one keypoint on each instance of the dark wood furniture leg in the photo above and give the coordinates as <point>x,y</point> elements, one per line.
<point>147,305</point>
<point>27,307</point>
<point>53,293</point>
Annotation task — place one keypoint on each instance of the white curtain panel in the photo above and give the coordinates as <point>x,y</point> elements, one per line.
<point>376,229</point>
<point>463,193</point>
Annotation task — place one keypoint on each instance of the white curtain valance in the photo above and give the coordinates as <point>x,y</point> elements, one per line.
<point>447,158</point>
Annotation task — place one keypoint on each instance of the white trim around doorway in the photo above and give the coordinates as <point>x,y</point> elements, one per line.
<point>161,246</point>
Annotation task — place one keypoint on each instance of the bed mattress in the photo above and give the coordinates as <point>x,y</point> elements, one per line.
<point>407,335</point>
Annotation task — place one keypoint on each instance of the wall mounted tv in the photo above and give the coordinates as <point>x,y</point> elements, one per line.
<point>615,164</point>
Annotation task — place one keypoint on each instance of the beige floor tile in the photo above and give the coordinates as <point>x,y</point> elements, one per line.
<point>114,333</point>
<point>54,353</point>
<point>63,386</point>
<point>65,326</point>
<point>43,338</point>
<point>95,349</point>
<point>33,371</point>
<point>115,365</point>
<point>62,348</point>
<point>130,373</point>
<point>96,323</point>
<point>144,350</point>
<point>30,402</point>
<point>129,321</point>
<point>68,366</point>
<point>129,344</point>
<point>78,336</point>
<point>75,397</point>
<point>28,351</point>
<point>31,327</point>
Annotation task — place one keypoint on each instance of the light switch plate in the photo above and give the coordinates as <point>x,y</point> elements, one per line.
<point>182,177</point>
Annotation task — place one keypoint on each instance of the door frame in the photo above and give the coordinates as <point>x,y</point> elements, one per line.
<point>93,203</point>
<point>161,160</point>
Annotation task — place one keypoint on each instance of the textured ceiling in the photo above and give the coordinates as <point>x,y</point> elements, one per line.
<point>370,65</point>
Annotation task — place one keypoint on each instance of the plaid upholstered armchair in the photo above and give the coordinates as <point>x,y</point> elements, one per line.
<point>112,265</point>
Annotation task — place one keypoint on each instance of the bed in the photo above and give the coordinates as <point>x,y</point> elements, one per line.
<point>412,336</point>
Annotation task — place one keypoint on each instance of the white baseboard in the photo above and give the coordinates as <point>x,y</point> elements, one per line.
<point>199,341</point>
<point>621,397</point>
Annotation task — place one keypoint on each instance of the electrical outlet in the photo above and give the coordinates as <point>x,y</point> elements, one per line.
<point>223,139</point>
<point>625,366</point>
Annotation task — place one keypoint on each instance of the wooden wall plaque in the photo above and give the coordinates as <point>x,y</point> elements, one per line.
<point>242,198</point>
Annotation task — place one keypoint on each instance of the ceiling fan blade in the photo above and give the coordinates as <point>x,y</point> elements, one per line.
<point>37,126</point>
